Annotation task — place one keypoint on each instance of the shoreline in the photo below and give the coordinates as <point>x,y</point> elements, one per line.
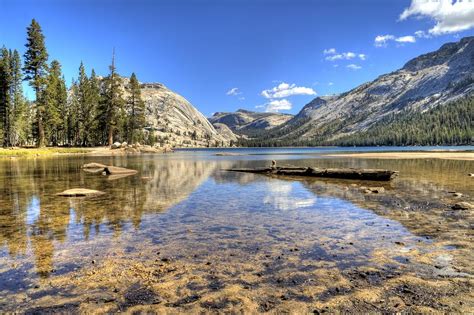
<point>449,154</point>
<point>444,155</point>
<point>8,153</point>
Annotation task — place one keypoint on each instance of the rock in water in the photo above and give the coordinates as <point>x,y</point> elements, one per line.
<point>114,170</point>
<point>463,206</point>
<point>94,165</point>
<point>80,192</point>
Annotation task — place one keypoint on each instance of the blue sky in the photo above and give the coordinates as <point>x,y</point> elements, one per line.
<point>229,54</point>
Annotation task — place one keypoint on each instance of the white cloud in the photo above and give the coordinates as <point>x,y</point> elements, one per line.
<point>233,91</point>
<point>276,105</point>
<point>382,40</point>
<point>329,51</point>
<point>285,90</point>
<point>422,34</point>
<point>406,39</point>
<point>450,16</point>
<point>333,55</point>
<point>331,83</point>
<point>241,98</point>
<point>354,67</point>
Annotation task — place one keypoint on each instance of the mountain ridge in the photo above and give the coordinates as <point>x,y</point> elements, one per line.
<point>423,83</point>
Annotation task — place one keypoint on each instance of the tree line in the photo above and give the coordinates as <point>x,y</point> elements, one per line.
<point>93,111</point>
<point>446,124</point>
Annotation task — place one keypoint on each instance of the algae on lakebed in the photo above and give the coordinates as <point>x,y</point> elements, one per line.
<point>193,238</point>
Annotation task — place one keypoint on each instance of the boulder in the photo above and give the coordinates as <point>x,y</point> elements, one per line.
<point>94,165</point>
<point>124,145</point>
<point>116,145</point>
<point>115,170</point>
<point>80,192</point>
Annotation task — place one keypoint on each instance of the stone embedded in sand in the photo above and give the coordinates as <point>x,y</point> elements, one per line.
<point>94,165</point>
<point>376,190</point>
<point>80,192</point>
<point>463,206</point>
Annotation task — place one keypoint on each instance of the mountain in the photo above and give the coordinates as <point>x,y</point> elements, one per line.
<point>424,83</point>
<point>246,122</point>
<point>174,121</point>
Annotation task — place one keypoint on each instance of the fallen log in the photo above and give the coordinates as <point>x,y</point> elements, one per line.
<point>341,173</point>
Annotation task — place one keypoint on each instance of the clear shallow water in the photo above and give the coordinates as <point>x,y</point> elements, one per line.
<point>224,229</point>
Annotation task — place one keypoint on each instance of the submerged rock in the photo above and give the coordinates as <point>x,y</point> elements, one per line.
<point>115,170</point>
<point>463,206</point>
<point>80,192</point>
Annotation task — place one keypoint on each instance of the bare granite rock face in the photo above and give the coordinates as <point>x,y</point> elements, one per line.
<point>174,121</point>
<point>247,122</point>
<point>423,83</point>
<point>225,132</point>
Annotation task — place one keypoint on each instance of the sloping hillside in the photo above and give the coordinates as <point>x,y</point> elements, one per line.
<point>423,83</point>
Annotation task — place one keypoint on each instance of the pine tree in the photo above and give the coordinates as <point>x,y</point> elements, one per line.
<point>5,94</point>
<point>83,110</point>
<point>20,124</point>
<point>54,98</point>
<point>94,99</point>
<point>73,117</point>
<point>136,111</point>
<point>35,69</point>
<point>112,103</point>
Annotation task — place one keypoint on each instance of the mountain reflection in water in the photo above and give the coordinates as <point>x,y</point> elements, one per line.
<point>188,206</point>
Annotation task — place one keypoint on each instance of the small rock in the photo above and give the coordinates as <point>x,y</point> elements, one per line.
<point>456,194</point>
<point>463,206</point>
<point>471,174</point>
<point>116,145</point>
<point>80,192</point>
<point>376,190</point>
<point>94,165</point>
<point>124,144</point>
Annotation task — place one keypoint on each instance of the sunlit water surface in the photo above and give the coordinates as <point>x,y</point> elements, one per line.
<point>251,230</point>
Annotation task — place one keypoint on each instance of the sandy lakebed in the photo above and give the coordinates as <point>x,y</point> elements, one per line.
<point>184,236</point>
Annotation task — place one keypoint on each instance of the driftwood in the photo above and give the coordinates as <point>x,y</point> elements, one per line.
<point>342,173</point>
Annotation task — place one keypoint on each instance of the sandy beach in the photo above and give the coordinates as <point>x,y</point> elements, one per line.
<point>466,156</point>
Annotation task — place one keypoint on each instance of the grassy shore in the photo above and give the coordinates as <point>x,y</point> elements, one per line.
<point>31,152</point>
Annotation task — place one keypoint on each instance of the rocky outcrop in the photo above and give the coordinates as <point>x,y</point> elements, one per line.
<point>225,132</point>
<point>423,83</point>
<point>175,122</point>
<point>247,122</point>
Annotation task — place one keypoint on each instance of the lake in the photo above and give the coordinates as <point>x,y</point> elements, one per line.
<point>183,235</point>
